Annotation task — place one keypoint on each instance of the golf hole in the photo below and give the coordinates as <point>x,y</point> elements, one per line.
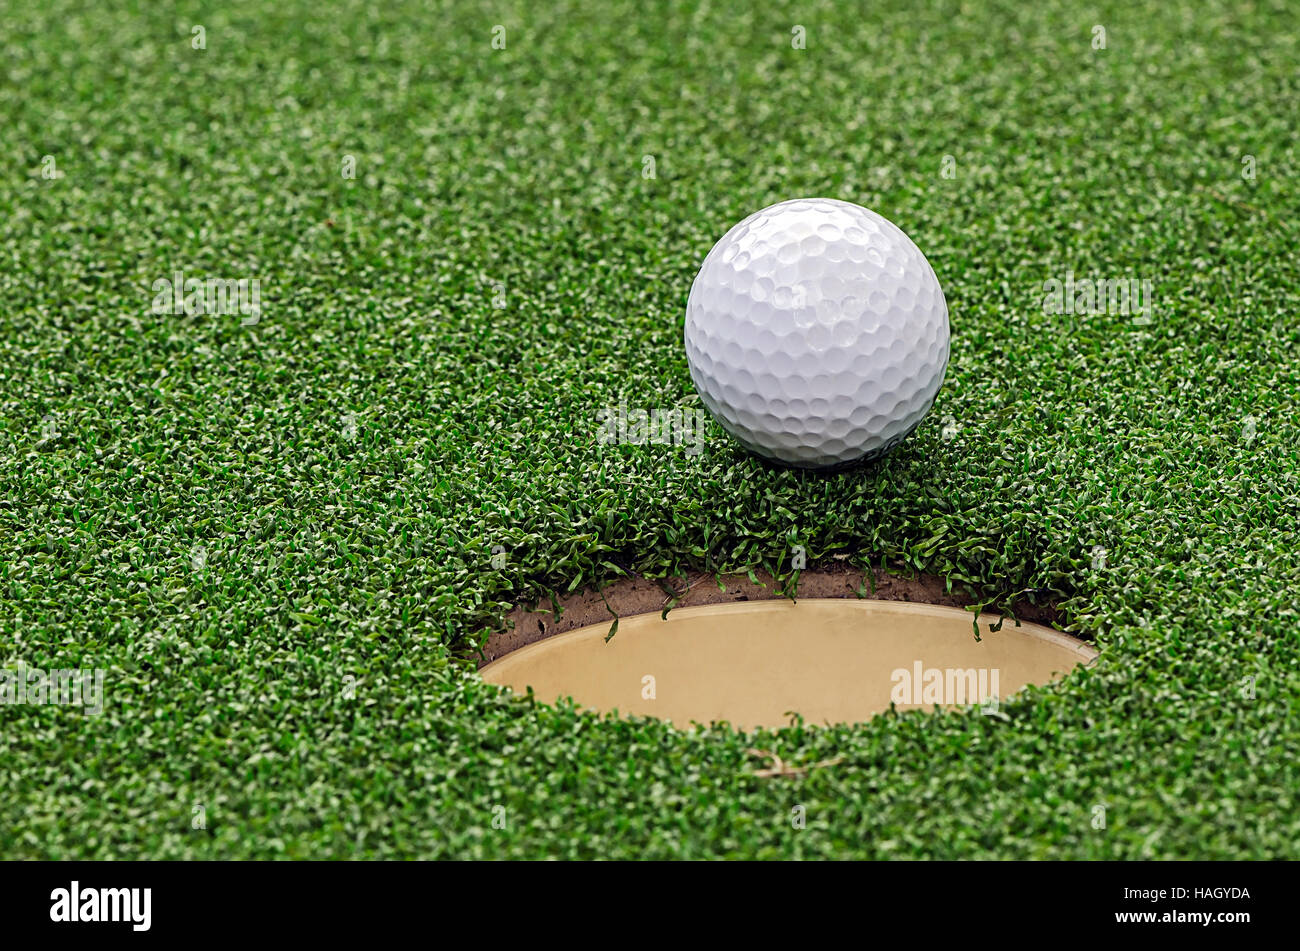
<point>754,663</point>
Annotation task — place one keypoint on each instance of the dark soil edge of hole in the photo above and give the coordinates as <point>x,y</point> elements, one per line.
<point>529,623</point>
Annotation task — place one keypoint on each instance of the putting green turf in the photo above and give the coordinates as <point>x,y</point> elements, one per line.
<point>277,537</point>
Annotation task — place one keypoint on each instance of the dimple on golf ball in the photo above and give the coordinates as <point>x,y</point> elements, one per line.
<point>817,333</point>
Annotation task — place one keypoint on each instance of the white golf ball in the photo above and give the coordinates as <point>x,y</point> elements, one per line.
<point>817,333</point>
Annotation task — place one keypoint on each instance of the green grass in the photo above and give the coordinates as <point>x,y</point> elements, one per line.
<point>130,441</point>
